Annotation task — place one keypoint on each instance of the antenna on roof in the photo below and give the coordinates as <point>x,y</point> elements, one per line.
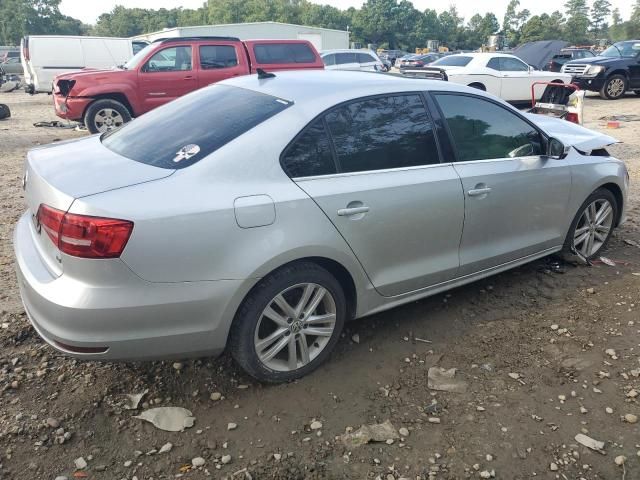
<point>262,74</point>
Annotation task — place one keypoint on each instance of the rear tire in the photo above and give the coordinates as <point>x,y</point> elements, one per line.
<point>592,226</point>
<point>105,115</point>
<point>272,343</point>
<point>614,87</point>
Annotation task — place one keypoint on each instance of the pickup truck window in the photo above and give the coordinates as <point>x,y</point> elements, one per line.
<point>170,60</point>
<point>217,56</point>
<point>277,53</point>
<point>185,131</point>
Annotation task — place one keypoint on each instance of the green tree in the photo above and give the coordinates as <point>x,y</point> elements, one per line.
<point>514,21</point>
<point>600,12</point>
<point>577,24</point>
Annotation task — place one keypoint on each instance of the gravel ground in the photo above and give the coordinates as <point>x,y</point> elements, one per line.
<point>545,353</point>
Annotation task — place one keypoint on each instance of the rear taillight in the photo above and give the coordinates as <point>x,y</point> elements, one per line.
<point>84,236</point>
<point>572,117</point>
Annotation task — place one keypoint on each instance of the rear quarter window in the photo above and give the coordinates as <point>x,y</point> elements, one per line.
<point>275,53</point>
<point>183,132</point>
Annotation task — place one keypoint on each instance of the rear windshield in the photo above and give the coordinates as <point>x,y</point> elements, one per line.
<point>453,61</point>
<point>272,53</point>
<point>188,129</point>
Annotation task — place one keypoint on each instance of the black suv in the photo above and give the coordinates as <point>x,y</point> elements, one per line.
<point>612,73</point>
<point>566,55</point>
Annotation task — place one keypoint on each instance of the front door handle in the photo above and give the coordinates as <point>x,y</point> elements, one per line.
<point>347,212</point>
<point>476,192</point>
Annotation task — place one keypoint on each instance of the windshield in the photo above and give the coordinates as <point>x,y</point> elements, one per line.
<point>622,49</point>
<point>138,57</point>
<point>453,61</point>
<point>188,129</point>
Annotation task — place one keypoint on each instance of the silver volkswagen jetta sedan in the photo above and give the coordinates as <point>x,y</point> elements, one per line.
<point>260,214</point>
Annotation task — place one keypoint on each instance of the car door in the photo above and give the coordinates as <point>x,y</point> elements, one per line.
<point>516,198</point>
<point>372,166</point>
<point>634,69</point>
<point>516,79</point>
<point>367,62</point>
<point>347,61</point>
<point>167,75</point>
<point>217,62</point>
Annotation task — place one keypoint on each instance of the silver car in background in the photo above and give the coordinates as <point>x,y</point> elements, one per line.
<point>260,214</point>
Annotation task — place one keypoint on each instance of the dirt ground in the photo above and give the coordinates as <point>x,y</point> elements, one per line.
<point>533,345</point>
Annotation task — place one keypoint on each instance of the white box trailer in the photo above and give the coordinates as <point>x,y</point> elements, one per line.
<point>45,56</point>
<point>321,38</point>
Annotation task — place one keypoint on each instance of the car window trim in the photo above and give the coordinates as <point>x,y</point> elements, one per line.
<point>454,148</point>
<point>200,46</point>
<point>336,160</point>
<point>144,69</point>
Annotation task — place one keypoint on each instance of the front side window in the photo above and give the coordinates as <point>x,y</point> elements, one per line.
<point>365,58</point>
<point>512,65</point>
<point>172,59</point>
<point>278,53</point>
<point>382,132</point>
<point>185,131</point>
<point>310,154</point>
<point>217,56</point>
<point>482,130</point>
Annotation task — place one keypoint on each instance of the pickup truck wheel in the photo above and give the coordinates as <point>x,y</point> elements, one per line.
<point>105,115</point>
<point>614,87</point>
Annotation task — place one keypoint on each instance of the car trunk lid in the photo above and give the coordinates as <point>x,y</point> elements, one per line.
<point>55,175</point>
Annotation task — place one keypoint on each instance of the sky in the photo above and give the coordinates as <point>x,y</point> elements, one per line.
<point>89,10</point>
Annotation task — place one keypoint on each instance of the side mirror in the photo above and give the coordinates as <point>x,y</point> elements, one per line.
<point>556,149</point>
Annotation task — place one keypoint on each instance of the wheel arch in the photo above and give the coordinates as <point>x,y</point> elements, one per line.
<point>117,96</point>
<point>616,191</point>
<point>478,85</point>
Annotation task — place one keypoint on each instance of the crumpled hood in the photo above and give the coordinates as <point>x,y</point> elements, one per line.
<point>571,134</point>
<point>539,53</point>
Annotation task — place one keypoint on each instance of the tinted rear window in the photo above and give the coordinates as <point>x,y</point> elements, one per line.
<point>272,53</point>
<point>188,129</point>
<point>453,61</point>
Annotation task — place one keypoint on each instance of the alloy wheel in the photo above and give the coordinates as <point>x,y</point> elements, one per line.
<point>107,119</point>
<point>593,227</point>
<point>295,327</point>
<point>615,87</point>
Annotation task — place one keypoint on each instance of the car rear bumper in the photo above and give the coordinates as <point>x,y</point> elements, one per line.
<point>589,83</point>
<point>129,319</point>
<point>70,108</point>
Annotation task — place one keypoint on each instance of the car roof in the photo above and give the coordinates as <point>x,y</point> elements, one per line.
<point>347,50</point>
<point>308,87</point>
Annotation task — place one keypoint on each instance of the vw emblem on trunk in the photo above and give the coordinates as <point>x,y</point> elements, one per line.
<point>186,152</point>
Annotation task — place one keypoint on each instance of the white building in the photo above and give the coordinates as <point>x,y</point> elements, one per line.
<point>321,38</point>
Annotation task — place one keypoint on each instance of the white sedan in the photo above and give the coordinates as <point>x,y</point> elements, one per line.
<point>503,75</point>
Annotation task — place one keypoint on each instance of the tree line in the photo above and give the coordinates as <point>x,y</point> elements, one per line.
<point>385,23</point>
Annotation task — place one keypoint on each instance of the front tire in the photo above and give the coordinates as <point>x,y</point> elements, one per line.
<point>593,225</point>
<point>105,115</point>
<point>614,87</point>
<point>289,323</point>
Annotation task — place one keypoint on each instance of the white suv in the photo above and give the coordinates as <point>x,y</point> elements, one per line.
<point>364,60</point>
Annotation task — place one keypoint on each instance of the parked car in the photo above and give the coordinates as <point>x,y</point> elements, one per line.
<point>261,214</point>
<point>503,75</point>
<point>12,66</point>
<point>391,55</point>
<point>364,60</point>
<point>566,55</point>
<point>168,69</point>
<point>417,61</point>
<point>45,56</point>
<point>612,73</point>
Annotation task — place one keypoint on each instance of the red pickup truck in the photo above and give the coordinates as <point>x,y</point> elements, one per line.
<point>167,69</point>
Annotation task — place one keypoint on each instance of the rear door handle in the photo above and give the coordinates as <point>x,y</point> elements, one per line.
<point>476,192</point>
<point>346,212</point>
